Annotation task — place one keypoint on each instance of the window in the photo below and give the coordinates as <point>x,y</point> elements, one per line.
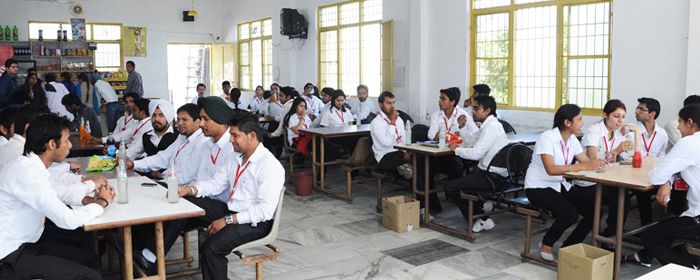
<point>108,56</point>
<point>538,55</point>
<point>255,54</point>
<point>350,46</point>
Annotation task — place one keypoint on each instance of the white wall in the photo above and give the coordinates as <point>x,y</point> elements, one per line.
<point>162,18</point>
<point>693,77</point>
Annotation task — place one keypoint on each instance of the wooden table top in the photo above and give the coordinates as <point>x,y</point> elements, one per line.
<point>146,205</point>
<point>620,175</point>
<point>422,149</point>
<point>339,131</point>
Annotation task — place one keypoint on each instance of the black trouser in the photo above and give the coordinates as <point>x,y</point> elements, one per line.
<point>566,206</point>
<point>659,238</point>
<point>477,182</point>
<point>217,247</point>
<point>49,260</point>
<point>643,203</point>
<point>77,238</point>
<point>391,161</point>
<point>451,165</point>
<point>213,209</point>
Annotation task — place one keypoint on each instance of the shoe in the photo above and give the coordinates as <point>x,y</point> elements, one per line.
<point>546,256</point>
<point>634,258</point>
<point>482,225</point>
<point>422,214</point>
<point>488,206</point>
<point>405,171</point>
<point>148,267</point>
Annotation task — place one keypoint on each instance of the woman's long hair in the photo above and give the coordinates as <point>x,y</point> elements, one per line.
<point>292,111</point>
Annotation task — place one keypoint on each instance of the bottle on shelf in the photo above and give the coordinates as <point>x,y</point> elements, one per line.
<point>122,180</point>
<point>58,35</point>
<point>65,35</point>
<point>8,33</point>
<point>15,34</point>
<point>41,35</point>
<point>172,183</point>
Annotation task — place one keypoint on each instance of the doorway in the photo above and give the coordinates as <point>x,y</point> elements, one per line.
<point>188,65</point>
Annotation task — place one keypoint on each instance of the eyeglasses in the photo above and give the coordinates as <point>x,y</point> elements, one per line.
<point>640,109</point>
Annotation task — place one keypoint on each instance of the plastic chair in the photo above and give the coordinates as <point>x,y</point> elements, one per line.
<point>507,127</point>
<point>265,241</point>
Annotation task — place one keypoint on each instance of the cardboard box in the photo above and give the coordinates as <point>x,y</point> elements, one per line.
<point>585,262</point>
<point>401,213</point>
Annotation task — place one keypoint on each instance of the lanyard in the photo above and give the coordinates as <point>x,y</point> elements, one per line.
<point>341,116</point>
<point>239,172</point>
<point>565,154</point>
<point>182,147</point>
<point>612,144</point>
<point>213,159</point>
<point>396,129</point>
<point>651,142</point>
<point>127,119</point>
<point>449,128</point>
<point>139,128</point>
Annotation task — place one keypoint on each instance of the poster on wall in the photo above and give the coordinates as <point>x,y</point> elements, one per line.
<point>78,29</point>
<point>134,41</point>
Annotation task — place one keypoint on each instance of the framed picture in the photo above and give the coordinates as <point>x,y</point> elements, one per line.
<point>78,29</point>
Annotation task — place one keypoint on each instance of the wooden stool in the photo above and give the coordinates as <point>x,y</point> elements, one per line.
<point>529,214</point>
<point>259,259</point>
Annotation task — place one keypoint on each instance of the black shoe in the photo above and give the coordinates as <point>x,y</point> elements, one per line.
<point>148,267</point>
<point>634,258</point>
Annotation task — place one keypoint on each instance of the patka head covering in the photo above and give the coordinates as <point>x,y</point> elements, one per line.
<point>165,107</point>
<point>216,108</point>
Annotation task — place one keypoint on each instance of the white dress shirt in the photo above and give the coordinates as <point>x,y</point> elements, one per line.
<point>595,136</point>
<point>53,100</point>
<point>654,144</point>
<point>672,131</point>
<point>135,149</point>
<point>3,141</point>
<point>314,105</point>
<point>184,151</point>
<point>285,109</point>
<point>256,105</point>
<point>12,150</point>
<point>324,111</point>
<point>684,157</point>
<point>337,118</point>
<point>27,199</point>
<point>195,99</point>
<point>438,121</point>
<point>492,138</point>
<point>294,121</point>
<point>363,107</point>
<point>385,135</point>
<point>275,109</point>
<point>255,196</point>
<point>551,143</point>
<point>124,129</point>
<point>70,188</point>
<point>105,91</point>
<point>213,156</point>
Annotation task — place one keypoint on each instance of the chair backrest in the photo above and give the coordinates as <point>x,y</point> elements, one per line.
<point>362,155</point>
<point>405,117</point>
<point>500,160</point>
<point>419,132</point>
<point>272,236</point>
<point>519,158</point>
<point>506,126</point>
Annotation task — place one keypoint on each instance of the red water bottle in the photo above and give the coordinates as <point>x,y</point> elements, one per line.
<point>637,159</point>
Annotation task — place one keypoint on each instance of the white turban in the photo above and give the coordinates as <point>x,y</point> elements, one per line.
<point>164,106</point>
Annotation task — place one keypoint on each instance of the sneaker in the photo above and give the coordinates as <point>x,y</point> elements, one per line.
<point>422,214</point>
<point>481,225</point>
<point>546,256</point>
<point>488,206</point>
<point>405,171</point>
<point>634,258</point>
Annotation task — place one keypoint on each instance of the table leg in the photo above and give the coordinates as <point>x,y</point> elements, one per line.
<point>323,163</point>
<point>426,190</point>
<point>128,272</point>
<point>596,213</point>
<point>313,160</point>
<point>160,250</point>
<point>618,231</point>
<point>414,180</point>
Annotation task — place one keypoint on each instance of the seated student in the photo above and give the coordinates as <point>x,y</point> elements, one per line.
<point>126,123</point>
<point>338,114</point>
<point>492,138</point>
<point>315,105</point>
<point>7,129</point>
<point>545,186</point>
<point>54,94</point>
<point>684,158</point>
<point>80,112</point>
<point>606,135</point>
<point>674,134</point>
<point>294,121</point>
<point>15,146</point>
<point>477,90</point>
<point>162,135</point>
<point>28,199</point>
<point>201,90</point>
<point>216,152</point>
<point>225,91</point>
<point>275,107</point>
<point>236,102</point>
<point>326,94</point>
<point>252,181</point>
<point>286,96</point>
<point>183,151</point>
<point>144,126</point>
<point>363,107</point>
<point>257,105</point>
<point>387,130</point>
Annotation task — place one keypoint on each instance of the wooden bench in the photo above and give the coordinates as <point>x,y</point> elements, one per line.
<point>529,211</point>
<point>497,197</point>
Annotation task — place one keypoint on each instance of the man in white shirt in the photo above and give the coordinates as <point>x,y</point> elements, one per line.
<point>126,123</point>
<point>201,90</point>
<point>492,138</point>
<point>225,90</point>
<point>27,199</point>
<point>477,90</point>
<point>144,126</point>
<point>672,126</point>
<point>54,94</point>
<point>106,95</point>
<point>7,129</point>
<point>387,130</point>
<point>363,108</point>
<point>160,138</point>
<point>314,105</point>
<point>15,146</point>
<point>183,152</point>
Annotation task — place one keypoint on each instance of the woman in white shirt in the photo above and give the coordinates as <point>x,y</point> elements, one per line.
<point>338,115</point>
<point>683,159</point>
<point>545,186</point>
<point>296,120</point>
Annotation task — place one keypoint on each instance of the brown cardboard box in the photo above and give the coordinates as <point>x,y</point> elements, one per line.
<point>401,213</point>
<point>584,262</point>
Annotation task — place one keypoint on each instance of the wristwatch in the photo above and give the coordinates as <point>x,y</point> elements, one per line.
<point>228,219</point>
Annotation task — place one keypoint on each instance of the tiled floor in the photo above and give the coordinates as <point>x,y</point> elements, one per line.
<point>324,238</point>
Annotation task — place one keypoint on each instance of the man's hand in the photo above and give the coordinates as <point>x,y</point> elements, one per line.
<point>663,195</point>
<point>98,180</point>
<point>407,156</point>
<point>394,116</point>
<point>462,121</point>
<point>74,166</point>
<point>129,163</point>
<point>217,225</point>
<point>105,192</point>
<point>453,146</point>
<point>185,191</point>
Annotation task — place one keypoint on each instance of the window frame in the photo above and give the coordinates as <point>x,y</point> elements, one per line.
<point>511,9</point>
<point>263,54</point>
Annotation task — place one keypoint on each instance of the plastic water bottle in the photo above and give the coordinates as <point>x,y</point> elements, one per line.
<point>407,136</point>
<point>601,153</point>
<point>111,148</point>
<point>441,142</point>
<point>88,131</point>
<point>122,180</point>
<point>172,183</point>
